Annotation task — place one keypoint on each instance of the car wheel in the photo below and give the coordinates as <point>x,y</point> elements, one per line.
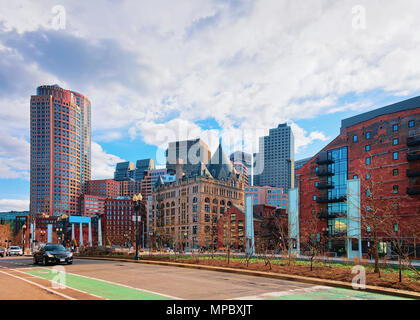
<point>34,261</point>
<point>45,262</point>
<point>70,262</point>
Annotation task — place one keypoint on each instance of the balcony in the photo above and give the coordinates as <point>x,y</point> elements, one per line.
<point>323,186</point>
<point>413,141</point>
<point>323,158</point>
<point>413,156</point>
<point>413,191</point>
<point>324,173</point>
<point>413,173</point>
<point>322,200</point>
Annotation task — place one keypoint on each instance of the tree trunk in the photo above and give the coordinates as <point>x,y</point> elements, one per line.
<point>376,257</point>
<point>400,268</point>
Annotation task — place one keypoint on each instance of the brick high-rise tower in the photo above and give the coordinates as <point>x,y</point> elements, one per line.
<point>60,149</point>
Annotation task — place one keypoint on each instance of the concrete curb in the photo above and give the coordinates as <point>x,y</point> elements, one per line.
<point>281,276</point>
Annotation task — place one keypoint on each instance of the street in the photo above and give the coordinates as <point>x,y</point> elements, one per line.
<point>99,280</point>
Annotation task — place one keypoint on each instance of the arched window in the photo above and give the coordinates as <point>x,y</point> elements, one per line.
<point>173,204</point>
<point>222,202</point>
<point>195,200</point>
<point>207,200</point>
<point>229,204</point>
<point>167,204</point>
<point>215,201</point>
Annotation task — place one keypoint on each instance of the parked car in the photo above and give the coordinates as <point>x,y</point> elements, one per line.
<point>53,254</point>
<point>14,251</point>
<point>1,252</point>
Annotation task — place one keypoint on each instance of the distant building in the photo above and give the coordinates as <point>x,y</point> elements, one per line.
<point>242,163</point>
<point>142,167</point>
<point>118,223</point>
<point>124,171</point>
<point>130,188</point>
<point>191,152</point>
<point>276,159</point>
<point>107,188</point>
<point>268,196</point>
<point>91,205</point>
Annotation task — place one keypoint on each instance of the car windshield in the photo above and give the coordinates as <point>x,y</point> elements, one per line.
<point>55,247</point>
<point>14,248</point>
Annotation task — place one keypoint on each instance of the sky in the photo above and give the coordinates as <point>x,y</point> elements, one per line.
<point>165,70</point>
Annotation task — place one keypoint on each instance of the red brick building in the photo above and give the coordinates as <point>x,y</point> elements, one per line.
<point>92,205</point>
<point>118,225</point>
<point>381,148</point>
<point>106,188</point>
<point>267,219</point>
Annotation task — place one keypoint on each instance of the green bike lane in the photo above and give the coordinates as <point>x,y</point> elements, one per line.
<point>100,288</point>
<point>114,291</point>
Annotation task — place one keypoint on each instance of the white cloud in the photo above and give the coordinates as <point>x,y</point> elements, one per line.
<point>14,157</point>
<point>14,205</point>
<point>103,163</point>
<point>248,64</point>
<point>303,139</point>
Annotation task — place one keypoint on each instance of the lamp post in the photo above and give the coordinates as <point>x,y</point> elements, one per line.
<point>23,238</point>
<point>137,204</point>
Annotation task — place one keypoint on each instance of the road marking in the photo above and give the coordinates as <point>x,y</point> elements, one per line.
<point>123,285</point>
<point>322,293</point>
<point>106,289</point>
<point>37,277</point>
<point>268,295</point>
<point>39,286</point>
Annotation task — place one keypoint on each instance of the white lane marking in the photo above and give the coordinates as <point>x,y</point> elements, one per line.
<point>91,294</point>
<point>283,293</point>
<point>123,285</point>
<point>40,286</point>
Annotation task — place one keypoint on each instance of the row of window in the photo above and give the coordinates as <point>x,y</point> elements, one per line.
<point>395,128</point>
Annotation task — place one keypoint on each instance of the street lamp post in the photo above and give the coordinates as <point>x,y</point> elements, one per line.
<point>137,204</point>
<point>23,238</point>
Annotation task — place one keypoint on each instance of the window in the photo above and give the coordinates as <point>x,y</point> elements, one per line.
<point>395,189</point>
<point>367,176</point>
<point>354,138</point>
<point>395,127</point>
<point>314,198</point>
<point>367,148</point>
<point>368,135</point>
<point>395,155</point>
<point>355,177</point>
<point>395,141</point>
<point>411,123</point>
<point>395,172</point>
<point>368,160</point>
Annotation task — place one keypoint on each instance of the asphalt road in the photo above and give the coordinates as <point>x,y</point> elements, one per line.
<point>94,279</point>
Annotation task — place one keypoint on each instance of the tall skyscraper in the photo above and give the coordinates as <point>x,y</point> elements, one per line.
<point>60,149</point>
<point>193,154</point>
<point>276,156</point>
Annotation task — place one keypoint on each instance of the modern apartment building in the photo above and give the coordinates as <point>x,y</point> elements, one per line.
<point>60,149</point>
<point>371,168</point>
<point>275,159</point>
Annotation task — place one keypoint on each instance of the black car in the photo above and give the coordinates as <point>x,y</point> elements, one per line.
<point>1,253</point>
<point>53,254</point>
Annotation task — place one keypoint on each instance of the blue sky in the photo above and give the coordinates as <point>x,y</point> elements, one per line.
<point>157,71</point>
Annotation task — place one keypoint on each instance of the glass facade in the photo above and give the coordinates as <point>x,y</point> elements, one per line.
<point>339,192</point>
